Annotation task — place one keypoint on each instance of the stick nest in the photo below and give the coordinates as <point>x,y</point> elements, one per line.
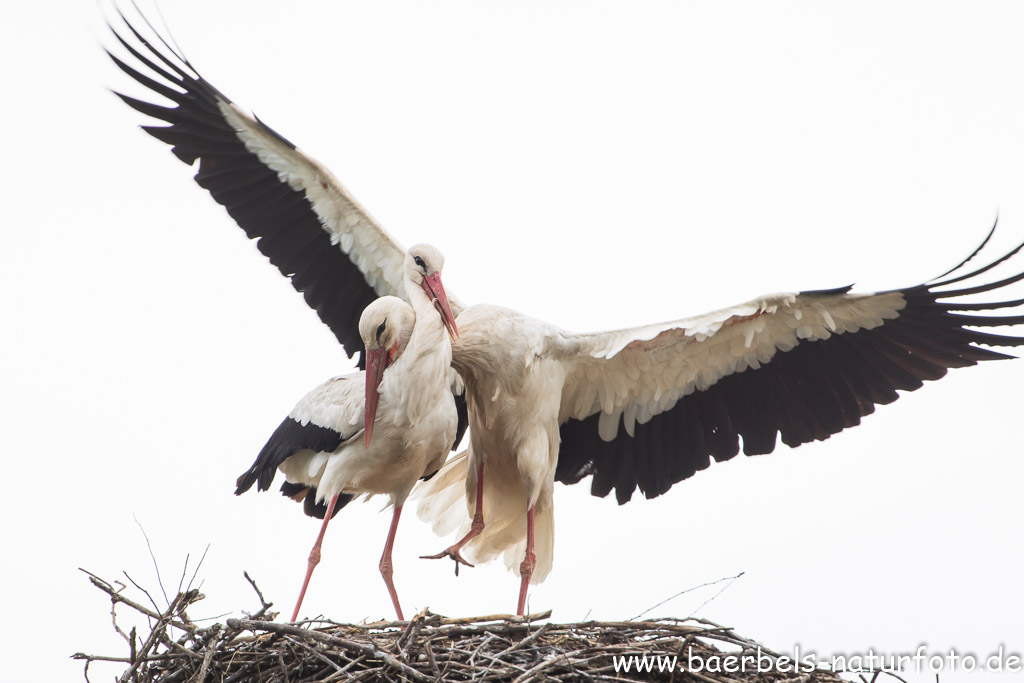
<point>430,647</point>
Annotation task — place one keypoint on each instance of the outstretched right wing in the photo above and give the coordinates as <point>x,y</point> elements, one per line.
<point>305,222</point>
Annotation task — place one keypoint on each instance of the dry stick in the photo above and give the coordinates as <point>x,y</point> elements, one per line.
<point>344,669</point>
<point>528,640</point>
<point>211,648</point>
<point>691,589</point>
<point>117,597</point>
<point>488,637</point>
<point>113,608</point>
<point>429,646</point>
<point>264,604</point>
<point>409,635</point>
<point>156,566</point>
<point>583,647</point>
<point>196,572</point>
<point>316,653</point>
<point>545,663</point>
<point>284,667</point>
<point>100,658</point>
<point>156,607</point>
<point>371,650</point>
<point>432,619</point>
<point>720,591</point>
<point>132,653</point>
<point>171,645</point>
<point>152,640</point>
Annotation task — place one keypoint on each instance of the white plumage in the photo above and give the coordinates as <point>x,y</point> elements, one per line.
<point>324,447</point>
<point>640,408</point>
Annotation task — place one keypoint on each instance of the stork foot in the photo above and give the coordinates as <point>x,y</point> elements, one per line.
<point>453,553</point>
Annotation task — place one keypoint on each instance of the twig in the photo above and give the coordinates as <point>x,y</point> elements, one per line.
<point>371,650</point>
<point>432,618</point>
<point>526,675</point>
<point>198,566</point>
<point>316,653</point>
<point>156,566</point>
<point>259,593</point>
<point>407,638</point>
<point>529,640</point>
<point>211,648</point>
<point>152,640</point>
<point>145,592</point>
<point>430,647</point>
<point>720,591</point>
<point>690,590</point>
<point>116,597</point>
<point>100,658</point>
<point>264,605</point>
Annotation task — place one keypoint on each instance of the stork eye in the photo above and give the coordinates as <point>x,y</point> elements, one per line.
<point>419,262</point>
<point>380,329</point>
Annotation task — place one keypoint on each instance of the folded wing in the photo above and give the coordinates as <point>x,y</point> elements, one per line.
<point>317,426</point>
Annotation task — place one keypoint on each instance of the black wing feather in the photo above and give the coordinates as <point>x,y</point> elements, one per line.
<point>288,439</point>
<point>280,217</point>
<point>307,495</point>
<point>808,393</point>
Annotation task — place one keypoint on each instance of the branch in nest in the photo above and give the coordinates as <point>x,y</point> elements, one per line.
<point>430,647</point>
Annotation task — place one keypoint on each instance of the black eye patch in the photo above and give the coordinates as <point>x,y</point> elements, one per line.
<point>419,262</point>
<point>380,329</point>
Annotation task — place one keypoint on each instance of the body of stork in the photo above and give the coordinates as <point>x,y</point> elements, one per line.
<point>513,388</point>
<point>339,442</point>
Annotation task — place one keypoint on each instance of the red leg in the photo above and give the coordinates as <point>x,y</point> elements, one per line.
<point>314,556</point>
<point>474,530</point>
<point>385,561</point>
<point>529,562</point>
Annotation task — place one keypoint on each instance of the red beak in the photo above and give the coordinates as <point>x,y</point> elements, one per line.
<point>377,361</point>
<point>435,290</point>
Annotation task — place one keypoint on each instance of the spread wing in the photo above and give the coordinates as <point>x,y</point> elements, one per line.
<point>648,407</point>
<point>304,221</point>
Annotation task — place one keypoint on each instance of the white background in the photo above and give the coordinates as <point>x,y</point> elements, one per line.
<point>593,164</point>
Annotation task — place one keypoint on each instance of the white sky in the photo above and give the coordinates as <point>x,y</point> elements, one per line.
<point>594,164</point>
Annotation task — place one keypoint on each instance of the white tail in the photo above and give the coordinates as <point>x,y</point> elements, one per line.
<point>446,503</point>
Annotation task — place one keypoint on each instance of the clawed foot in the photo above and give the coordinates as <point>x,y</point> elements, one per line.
<point>453,553</point>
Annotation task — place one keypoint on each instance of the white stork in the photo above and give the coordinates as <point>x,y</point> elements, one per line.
<point>640,408</point>
<point>324,446</point>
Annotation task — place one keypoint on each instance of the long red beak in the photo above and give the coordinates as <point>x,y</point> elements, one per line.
<point>435,290</point>
<point>377,361</point>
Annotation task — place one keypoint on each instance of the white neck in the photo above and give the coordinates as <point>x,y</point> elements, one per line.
<point>412,384</point>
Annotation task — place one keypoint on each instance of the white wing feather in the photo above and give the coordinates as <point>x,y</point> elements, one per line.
<point>336,404</point>
<point>376,253</point>
<point>640,372</point>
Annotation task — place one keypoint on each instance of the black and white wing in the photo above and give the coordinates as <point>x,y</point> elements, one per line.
<point>325,419</point>
<point>304,221</point>
<point>648,407</point>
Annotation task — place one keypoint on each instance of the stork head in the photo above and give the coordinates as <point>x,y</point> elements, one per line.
<point>423,264</point>
<point>385,326</point>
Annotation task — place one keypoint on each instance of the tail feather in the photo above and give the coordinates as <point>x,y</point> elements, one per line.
<point>441,499</point>
<point>447,502</point>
